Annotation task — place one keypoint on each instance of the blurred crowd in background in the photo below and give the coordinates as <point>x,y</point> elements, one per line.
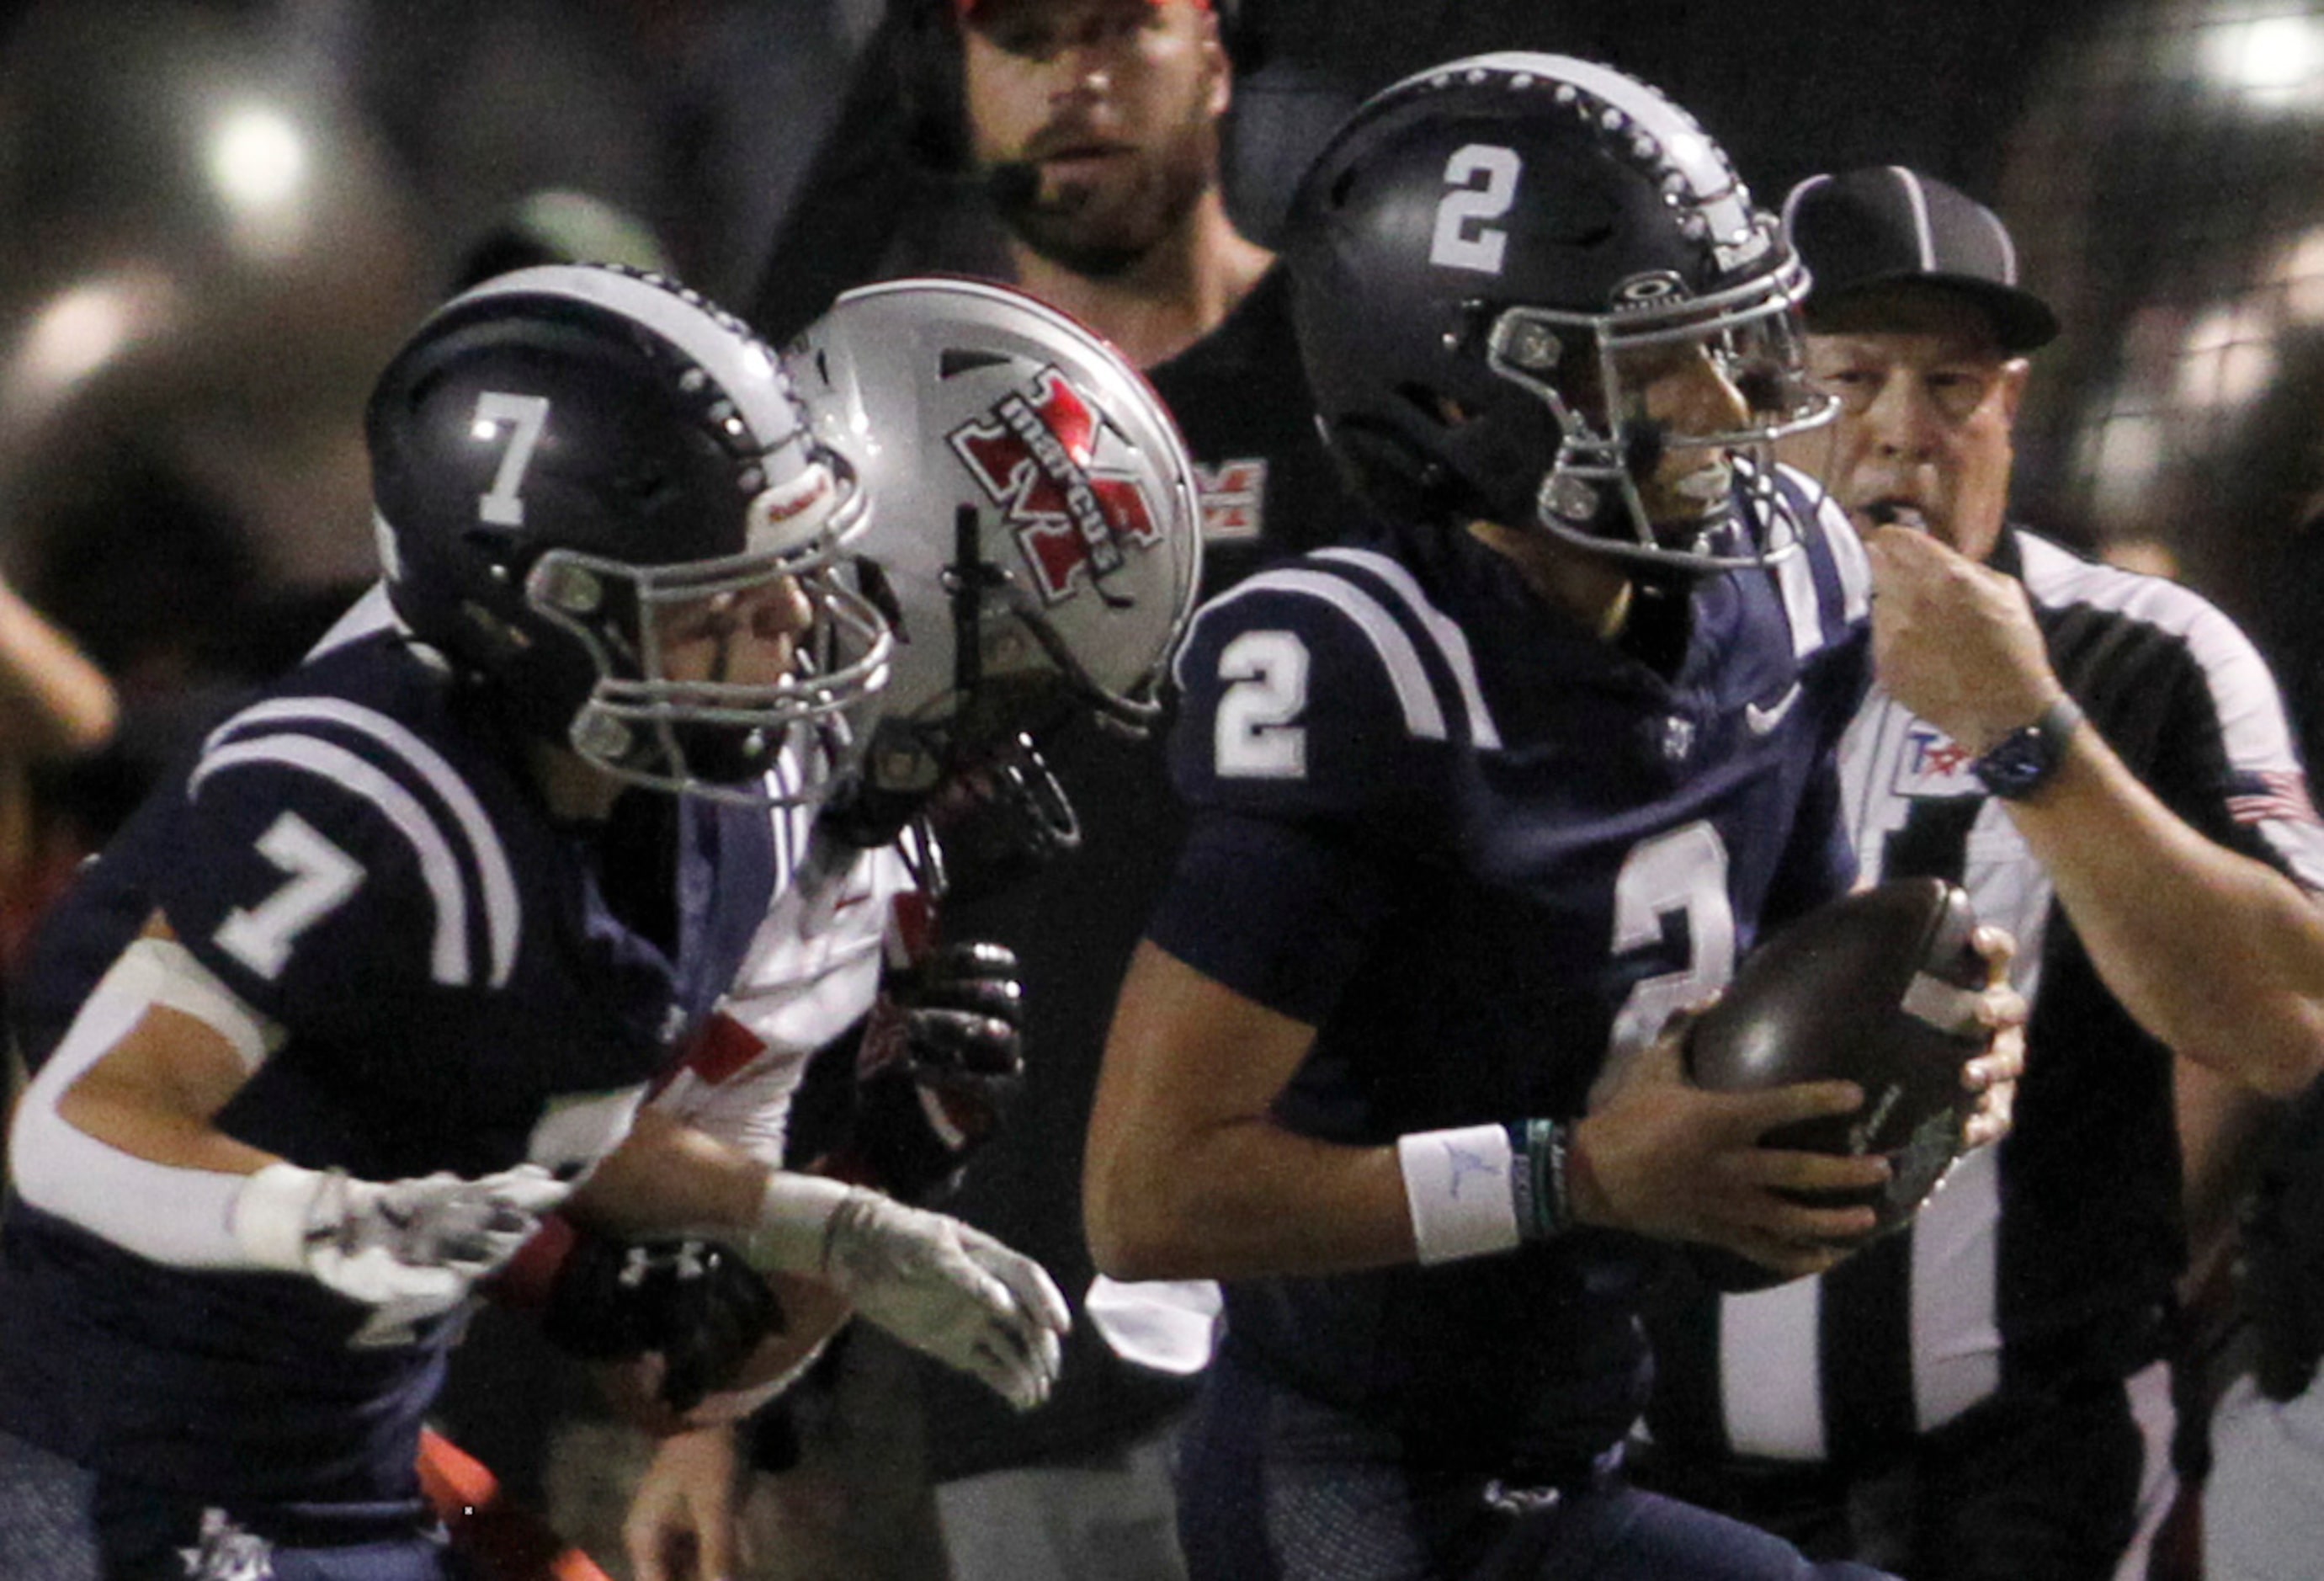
<point>216,217</point>
<point>216,220</point>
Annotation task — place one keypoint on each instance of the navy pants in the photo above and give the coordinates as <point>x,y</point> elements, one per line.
<point>2045,1487</point>
<point>61,1522</point>
<point>1276,1487</point>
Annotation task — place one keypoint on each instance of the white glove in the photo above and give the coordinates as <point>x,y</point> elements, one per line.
<point>410,1248</point>
<point>931,1280</point>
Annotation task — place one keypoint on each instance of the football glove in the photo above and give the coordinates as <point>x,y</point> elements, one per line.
<point>998,821</point>
<point>412,1249</point>
<point>941,1058</point>
<point>694,1303</point>
<point>932,1281</point>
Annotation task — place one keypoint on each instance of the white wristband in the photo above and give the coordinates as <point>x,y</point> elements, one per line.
<point>1458,1189</point>
<point>270,1216</point>
<point>794,1222</point>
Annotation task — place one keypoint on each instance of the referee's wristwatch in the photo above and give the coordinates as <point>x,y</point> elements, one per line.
<point>2023,761</point>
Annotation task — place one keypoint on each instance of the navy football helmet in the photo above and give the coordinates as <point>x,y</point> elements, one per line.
<point>1036,540</point>
<point>1491,261</point>
<point>560,450</point>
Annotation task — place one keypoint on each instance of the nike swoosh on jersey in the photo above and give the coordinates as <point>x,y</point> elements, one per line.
<point>1764,720</point>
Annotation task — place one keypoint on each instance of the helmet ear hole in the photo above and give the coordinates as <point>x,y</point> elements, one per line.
<point>1424,404</point>
<point>505,642</point>
<point>881,593</point>
<point>1435,407</point>
<point>1381,464</point>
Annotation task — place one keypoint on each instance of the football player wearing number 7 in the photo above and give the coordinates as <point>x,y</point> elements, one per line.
<point>382,975</point>
<point>1477,805</point>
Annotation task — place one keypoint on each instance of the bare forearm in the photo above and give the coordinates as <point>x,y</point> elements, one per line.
<point>1250,1200</point>
<point>667,1177</point>
<point>156,1097</point>
<point>812,1314</point>
<point>2216,954</point>
<point>1188,1177</point>
<point>53,702</point>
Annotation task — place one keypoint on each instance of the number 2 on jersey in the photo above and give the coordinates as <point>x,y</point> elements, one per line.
<point>1253,736</point>
<point>1682,872</point>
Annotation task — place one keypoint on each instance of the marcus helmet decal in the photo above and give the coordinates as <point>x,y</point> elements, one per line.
<point>1041,454</point>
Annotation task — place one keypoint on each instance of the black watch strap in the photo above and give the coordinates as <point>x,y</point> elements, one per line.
<point>2022,762</point>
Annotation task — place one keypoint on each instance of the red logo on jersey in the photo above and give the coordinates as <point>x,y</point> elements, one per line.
<point>1234,495</point>
<point>1035,455</point>
<point>1939,755</point>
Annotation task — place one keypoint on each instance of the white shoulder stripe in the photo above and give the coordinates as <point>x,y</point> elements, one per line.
<point>502,914</point>
<point>1451,641</point>
<point>1847,559</point>
<point>1820,519</point>
<point>2242,690</point>
<point>1423,719</point>
<point>449,960</point>
<point>2254,728</point>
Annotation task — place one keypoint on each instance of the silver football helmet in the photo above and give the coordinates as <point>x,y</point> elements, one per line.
<point>1036,539</point>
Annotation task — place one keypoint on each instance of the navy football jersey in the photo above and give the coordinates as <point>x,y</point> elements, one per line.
<point>1268,491</point>
<point>1477,847</point>
<point>369,870</point>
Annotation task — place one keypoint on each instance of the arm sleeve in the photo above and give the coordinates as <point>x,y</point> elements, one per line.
<point>165,1213</point>
<point>1280,914</point>
<point>1819,862</point>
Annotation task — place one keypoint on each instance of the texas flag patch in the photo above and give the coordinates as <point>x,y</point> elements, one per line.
<point>1933,764</point>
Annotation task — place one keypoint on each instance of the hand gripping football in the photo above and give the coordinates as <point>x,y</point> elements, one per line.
<point>1878,987</point>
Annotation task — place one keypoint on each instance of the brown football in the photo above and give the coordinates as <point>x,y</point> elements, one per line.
<point>1878,987</point>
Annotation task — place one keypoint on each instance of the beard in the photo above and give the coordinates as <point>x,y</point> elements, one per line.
<point>1102,230</point>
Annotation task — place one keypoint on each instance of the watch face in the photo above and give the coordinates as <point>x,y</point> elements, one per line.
<point>2023,760</point>
<point>2019,763</point>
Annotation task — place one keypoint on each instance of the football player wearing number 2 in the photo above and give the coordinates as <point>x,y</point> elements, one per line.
<point>1477,806</point>
<point>383,978</point>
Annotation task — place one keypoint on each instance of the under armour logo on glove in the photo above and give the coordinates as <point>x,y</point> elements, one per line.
<point>694,1303</point>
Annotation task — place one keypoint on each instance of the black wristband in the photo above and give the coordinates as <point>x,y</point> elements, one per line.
<point>1538,1178</point>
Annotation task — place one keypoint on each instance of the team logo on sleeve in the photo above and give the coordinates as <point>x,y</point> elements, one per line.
<point>1234,499</point>
<point>1041,455</point>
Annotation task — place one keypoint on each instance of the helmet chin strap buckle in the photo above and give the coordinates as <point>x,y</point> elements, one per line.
<point>1570,499</point>
<point>600,737</point>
